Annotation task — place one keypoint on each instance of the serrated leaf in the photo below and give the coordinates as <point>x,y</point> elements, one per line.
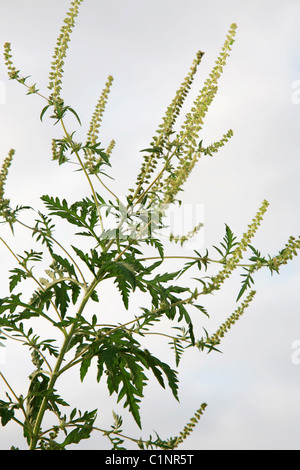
<point>17,277</point>
<point>155,364</point>
<point>62,298</point>
<point>165,277</point>
<point>124,278</point>
<point>229,242</point>
<point>246,283</point>
<point>77,434</point>
<point>131,393</point>
<point>85,258</point>
<point>157,244</point>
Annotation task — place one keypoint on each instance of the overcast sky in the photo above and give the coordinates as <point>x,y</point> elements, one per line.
<point>252,389</point>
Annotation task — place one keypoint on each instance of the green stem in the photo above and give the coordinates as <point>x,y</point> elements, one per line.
<point>85,172</point>
<point>168,159</point>
<point>30,275</point>
<point>77,358</point>
<point>32,345</point>
<point>153,182</point>
<point>107,188</point>
<point>56,371</point>
<point>19,402</point>
<point>8,386</point>
<point>58,244</point>
<point>196,258</point>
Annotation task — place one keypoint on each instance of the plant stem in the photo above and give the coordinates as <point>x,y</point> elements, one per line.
<point>17,399</point>
<point>85,172</point>
<point>107,188</point>
<point>9,387</point>
<point>196,258</point>
<point>30,275</point>
<point>58,244</point>
<point>56,370</point>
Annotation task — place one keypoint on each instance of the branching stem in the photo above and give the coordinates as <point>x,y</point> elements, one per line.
<point>85,172</point>
<point>60,359</point>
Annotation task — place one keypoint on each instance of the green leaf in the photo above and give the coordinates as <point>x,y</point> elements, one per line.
<point>152,150</point>
<point>85,364</point>
<point>246,283</point>
<point>38,385</point>
<point>130,392</point>
<point>85,258</point>
<point>17,277</point>
<point>83,213</point>
<point>62,298</point>
<point>191,332</point>
<point>157,244</point>
<point>68,108</point>
<point>99,151</point>
<point>229,242</point>
<point>126,362</point>
<point>64,262</point>
<point>44,110</point>
<point>124,276</point>
<point>155,364</point>
<point>73,413</point>
<point>6,412</point>
<point>165,277</point>
<point>79,433</point>
<point>178,349</point>
<point>10,303</point>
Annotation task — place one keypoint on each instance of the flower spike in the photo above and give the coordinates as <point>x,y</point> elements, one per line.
<point>60,50</point>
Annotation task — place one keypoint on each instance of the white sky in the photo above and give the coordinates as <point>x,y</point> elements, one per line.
<point>252,389</point>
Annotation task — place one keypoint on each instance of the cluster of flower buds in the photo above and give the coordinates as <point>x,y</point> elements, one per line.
<point>215,339</point>
<point>4,203</point>
<point>60,50</point>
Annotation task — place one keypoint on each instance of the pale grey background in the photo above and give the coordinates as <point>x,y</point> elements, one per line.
<point>252,389</point>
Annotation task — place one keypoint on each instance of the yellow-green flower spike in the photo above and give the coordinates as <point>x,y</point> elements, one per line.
<point>13,73</point>
<point>60,51</point>
<point>165,129</point>
<point>96,120</point>
<point>215,339</point>
<point>237,255</point>
<point>189,427</point>
<point>4,203</point>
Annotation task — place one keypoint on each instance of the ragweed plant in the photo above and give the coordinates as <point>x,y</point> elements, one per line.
<point>71,283</point>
